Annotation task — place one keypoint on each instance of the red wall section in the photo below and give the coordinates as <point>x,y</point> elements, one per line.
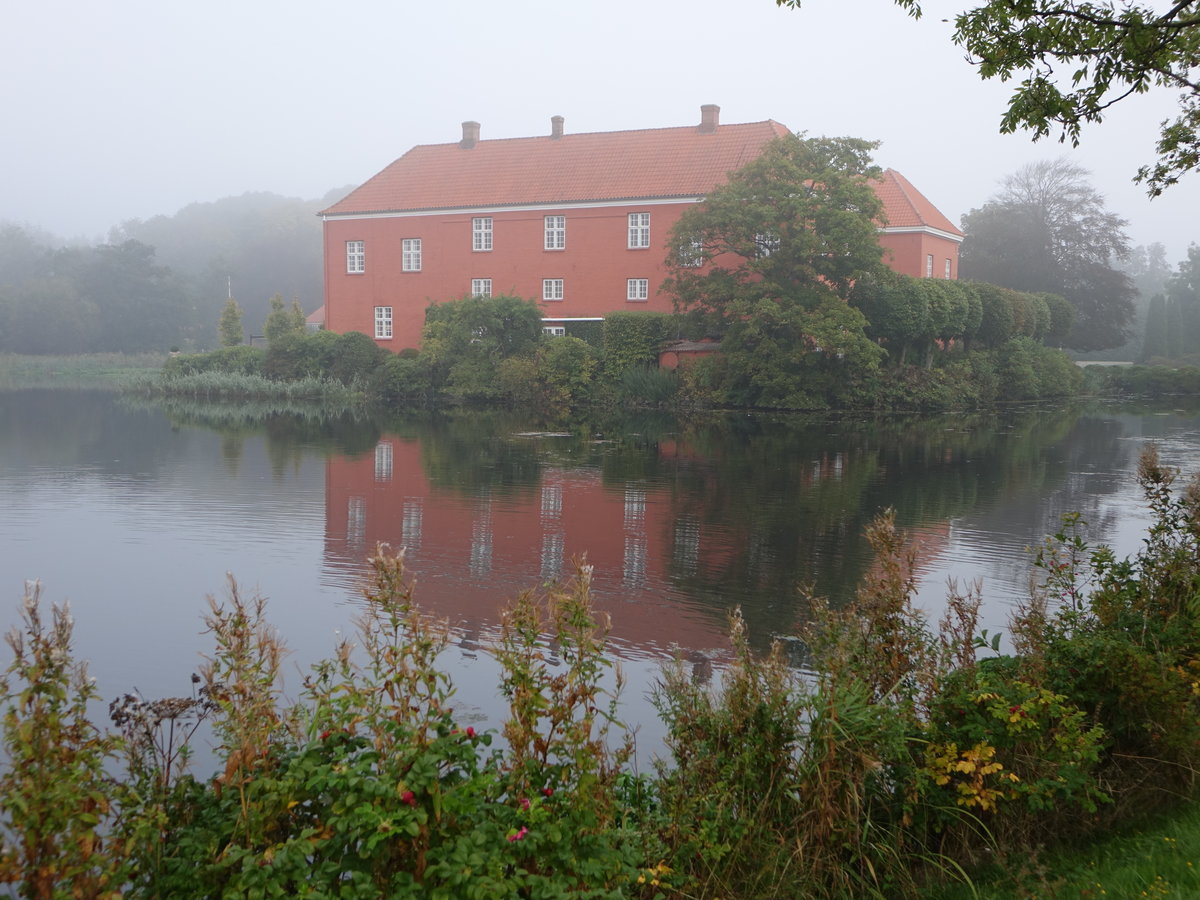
<point>594,266</point>
<point>907,252</point>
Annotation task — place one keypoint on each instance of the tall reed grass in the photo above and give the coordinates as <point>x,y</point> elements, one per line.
<point>91,370</point>
<point>229,385</point>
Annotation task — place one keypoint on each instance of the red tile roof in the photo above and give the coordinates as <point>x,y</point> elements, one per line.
<point>655,163</point>
<point>906,207</point>
<point>574,168</point>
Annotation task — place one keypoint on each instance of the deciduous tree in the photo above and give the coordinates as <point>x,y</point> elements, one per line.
<point>230,329</point>
<point>1047,230</point>
<point>796,225</point>
<point>1072,60</point>
<point>769,258</point>
<point>281,320</point>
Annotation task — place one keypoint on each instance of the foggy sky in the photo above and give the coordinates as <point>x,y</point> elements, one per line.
<point>135,108</point>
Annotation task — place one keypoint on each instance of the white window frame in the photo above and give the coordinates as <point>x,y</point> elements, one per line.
<point>481,234</point>
<point>947,268</point>
<point>356,257</point>
<point>637,289</point>
<point>410,255</point>
<point>554,330</point>
<point>691,254</point>
<point>929,265</point>
<point>481,287</point>
<point>555,235</point>
<point>383,461</point>
<point>639,231</point>
<point>552,289</point>
<point>383,323</point>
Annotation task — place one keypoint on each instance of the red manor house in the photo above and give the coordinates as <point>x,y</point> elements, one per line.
<point>577,221</point>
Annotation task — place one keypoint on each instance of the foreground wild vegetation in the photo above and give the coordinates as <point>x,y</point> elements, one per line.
<point>907,756</point>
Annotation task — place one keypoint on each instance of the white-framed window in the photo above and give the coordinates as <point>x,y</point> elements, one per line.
<point>687,544</point>
<point>637,289</point>
<point>556,233</point>
<point>552,288</point>
<point>383,323</point>
<point>947,268</point>
<point>356,520</point>
<point>929,266</point>
<point>410,255</point>
<point>411,523</point>
<point>552,554</point>
<point>634,570</point>
<point>635,507</point>
<point>481,287</point>
<point>481,233</point>
<point>383,461</point>
<point>639,231</point>
<point>356,257</point>
<point>765,243</point>
<point>552,501</point>
<point>554,330</point>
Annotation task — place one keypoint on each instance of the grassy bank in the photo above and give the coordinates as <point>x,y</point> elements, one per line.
<point>1157,857</point>
<point>90,370</point>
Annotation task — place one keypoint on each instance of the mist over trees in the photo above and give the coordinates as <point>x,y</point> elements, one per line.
<point>1172,333</point>
<point>1047,230</point>
<point>112,297</point>
<point>161,282</point>
<point>253,246</point>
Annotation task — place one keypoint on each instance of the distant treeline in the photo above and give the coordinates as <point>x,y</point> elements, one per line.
<point>161,282</point>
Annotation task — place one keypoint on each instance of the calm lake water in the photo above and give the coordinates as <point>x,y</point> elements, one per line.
<point>136,513</point>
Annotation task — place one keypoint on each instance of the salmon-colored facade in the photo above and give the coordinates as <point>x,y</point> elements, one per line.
<point>577,222</point>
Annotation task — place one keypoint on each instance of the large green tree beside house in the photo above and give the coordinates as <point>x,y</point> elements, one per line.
<point>766,262</point>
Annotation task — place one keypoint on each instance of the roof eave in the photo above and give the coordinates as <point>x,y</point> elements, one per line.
<point>695,197</point>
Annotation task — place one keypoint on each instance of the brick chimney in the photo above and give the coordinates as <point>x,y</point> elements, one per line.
<point>470,135</point>
<point>556,127</point>
<point>710,115</point>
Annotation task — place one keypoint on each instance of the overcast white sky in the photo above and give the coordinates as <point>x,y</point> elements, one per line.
<point>133,108</point>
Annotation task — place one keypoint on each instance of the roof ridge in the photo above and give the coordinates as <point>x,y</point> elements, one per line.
<point>571,134</point>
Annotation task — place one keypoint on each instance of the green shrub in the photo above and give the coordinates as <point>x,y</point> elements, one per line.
<point>633,339</point>
<point>647,386</point>
<point>293,355</point>
<point>58,806</point>
<point>351,357</point>
<point>1147,381</point>
<point>404,379</point>
<point>1013,749</point>
<point>1121,638</point>
<point>240,360</point>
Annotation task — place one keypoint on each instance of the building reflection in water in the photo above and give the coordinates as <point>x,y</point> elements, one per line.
<point>470,553</point>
